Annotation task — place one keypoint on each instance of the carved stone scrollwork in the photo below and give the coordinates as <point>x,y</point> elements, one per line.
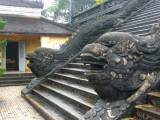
<point>106,110</point>
<point>145,116</point>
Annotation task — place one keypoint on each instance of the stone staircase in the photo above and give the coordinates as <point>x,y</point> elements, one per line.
<point>141,23</point>
<point>68,95</point>
<point>15,78</point>
<point>150,110</point>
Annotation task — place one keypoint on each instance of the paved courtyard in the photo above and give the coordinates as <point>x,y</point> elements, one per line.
<point>14,107</point>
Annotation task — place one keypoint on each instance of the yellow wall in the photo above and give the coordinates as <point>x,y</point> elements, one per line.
<point>54,39</point>
<point>31,42</point>
<point>57,39</point>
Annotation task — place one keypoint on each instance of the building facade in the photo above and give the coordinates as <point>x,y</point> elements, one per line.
<point>26,30</point>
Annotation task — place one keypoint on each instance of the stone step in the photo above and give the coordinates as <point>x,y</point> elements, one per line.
<point>134,118</point>
<point>77,60</point>
<point>46,110</point>
<point>143,31</point>
<point>15,78</point>
<point>148,112</point>
<point>99,63</point>
<point>154,21</point>
<point>142,21</point>
<point>76,71</point>
<point>68,110</point>
<point>144,17</point>
<point>70,97</point>
<point>75,88</point>
<point>16,74</point>
<point>154,98</point>
<point>152,7</point>
<point>148,26</point>
<point>142,13</point>
<point>13,84</point>
<point>79,65</point>
<point>72,78</point>
<point>155,2</point>
<point>144,34</point>
<point>139,32</point>
<point>147,14</point>
<point>20,78</point>
<point>14,81</point>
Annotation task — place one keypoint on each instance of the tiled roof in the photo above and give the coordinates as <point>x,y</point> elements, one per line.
<point>21,3</point>
<point>22,25</point>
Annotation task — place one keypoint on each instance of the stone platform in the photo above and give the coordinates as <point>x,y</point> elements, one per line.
<point>15,78</point>
<point>14,107</point>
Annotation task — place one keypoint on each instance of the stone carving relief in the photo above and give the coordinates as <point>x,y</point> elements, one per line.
<point>124,68</point>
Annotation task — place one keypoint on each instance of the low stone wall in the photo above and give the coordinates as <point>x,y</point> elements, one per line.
<point>107,7</point>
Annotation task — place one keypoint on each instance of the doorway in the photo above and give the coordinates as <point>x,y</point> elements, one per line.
<point>12,56</point>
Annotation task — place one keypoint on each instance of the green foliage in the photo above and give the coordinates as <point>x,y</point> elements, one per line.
<point>58,12</point>
<point>98,2</point>
<point>2,70</point>
<point>3,43</point>
<point>2,23</point>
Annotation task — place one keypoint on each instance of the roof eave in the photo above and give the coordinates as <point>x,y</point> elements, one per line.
<point>57,24</point>
<point>28,33</point>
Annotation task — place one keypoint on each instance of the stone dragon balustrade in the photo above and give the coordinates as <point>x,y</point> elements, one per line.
<point>124,68</point>
<point>43,60</point>
<point>122,64</point>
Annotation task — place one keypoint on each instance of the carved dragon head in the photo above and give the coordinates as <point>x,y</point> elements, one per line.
<point>41,61</point>
<point>122,63</point>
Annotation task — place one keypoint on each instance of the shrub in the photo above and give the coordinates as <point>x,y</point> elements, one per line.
<point>3,43</point>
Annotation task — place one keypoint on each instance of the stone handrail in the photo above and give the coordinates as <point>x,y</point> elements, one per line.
<point>37,81</point>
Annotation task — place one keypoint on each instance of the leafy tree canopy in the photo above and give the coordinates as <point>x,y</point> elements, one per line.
<point>60,11</point>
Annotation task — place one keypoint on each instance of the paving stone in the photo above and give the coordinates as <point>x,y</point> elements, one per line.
<point>14,107</point>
